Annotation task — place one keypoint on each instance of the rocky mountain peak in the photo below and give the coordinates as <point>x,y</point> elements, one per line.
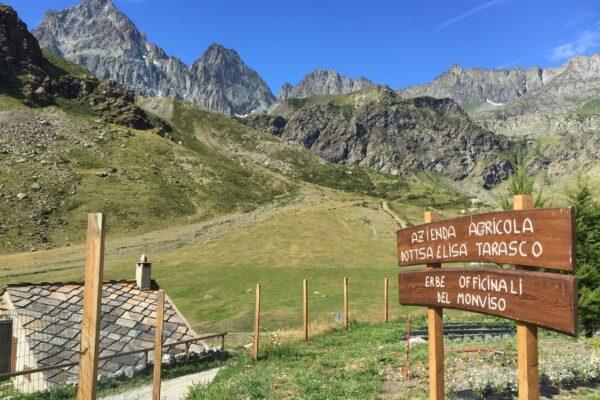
<point>217,52</point>
<point>228,85</point>
<point>321,82</point>
<point>99,5</point>
<point>456,69</point>
<point>98,36</point>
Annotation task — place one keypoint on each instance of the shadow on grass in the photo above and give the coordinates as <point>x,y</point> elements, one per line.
<point>469,394</point>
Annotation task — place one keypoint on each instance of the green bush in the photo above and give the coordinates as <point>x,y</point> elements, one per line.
<point>587,222</point>
<point>521,181</point>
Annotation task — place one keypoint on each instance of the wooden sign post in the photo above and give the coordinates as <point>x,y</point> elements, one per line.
<point>527,341</point>
<point>526,238</point>
<point>435,328</point>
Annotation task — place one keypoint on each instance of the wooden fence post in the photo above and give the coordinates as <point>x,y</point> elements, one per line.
<point>346,302</point>
<point>92,300</point>
<point>158,338</point>
<point>305,308</point>
<point>407,370</point>
<point>435,316</point>
<point>385,300</point>
<point>256,324</point>
<point>527,339</point>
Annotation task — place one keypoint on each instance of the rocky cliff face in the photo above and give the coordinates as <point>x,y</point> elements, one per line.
<point>98,36</point>
<point>511,92</point>
<point>18,49</point>
<point>478,85</point>
<point>376,128</point>
<point>571,86</point>
<point>321,82</point>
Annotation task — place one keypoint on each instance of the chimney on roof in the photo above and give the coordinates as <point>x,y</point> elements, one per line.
<point>143,273</point>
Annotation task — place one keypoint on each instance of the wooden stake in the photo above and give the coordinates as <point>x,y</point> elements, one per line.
<point>407,369</point>
<point>345,302</point>
<point>385,301</point>
<point>435,317</point>
<point>158,338</point>
<point>256,324</point>
<point>92,300</point>
<point>527,340</point>
<point>305,308</point>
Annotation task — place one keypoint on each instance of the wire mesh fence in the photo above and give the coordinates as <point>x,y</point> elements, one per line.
<point>328,307</point>
<point>37,352</point>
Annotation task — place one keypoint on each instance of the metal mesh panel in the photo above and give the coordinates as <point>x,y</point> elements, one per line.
<point>32,341</point>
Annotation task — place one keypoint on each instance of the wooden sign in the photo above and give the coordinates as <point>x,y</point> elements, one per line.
<point>542,237</point>
<point>545,299</point>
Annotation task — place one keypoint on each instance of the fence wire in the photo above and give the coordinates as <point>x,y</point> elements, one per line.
<point>29,341</point>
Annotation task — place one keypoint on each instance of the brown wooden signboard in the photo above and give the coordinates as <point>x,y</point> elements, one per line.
<point>535,237</point>
<point>545,299</point>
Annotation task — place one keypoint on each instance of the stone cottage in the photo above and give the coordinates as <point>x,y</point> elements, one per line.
<point>40,325</point>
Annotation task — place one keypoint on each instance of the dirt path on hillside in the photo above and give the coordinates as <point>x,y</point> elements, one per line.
<point>23,266</point>
<point>172,389</point>
<point>401,222</point>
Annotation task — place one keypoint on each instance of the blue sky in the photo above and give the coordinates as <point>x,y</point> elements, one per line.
<point>399,43</point>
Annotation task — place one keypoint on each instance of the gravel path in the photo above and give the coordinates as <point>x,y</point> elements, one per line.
<point>173,389</point>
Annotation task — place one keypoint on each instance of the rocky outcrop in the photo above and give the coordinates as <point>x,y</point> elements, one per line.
<point>272,124</point>
<point>97,35</point>
<point>18,49</point>
<point>376,128</point>
<point>28,74</point>
<point>321,82</point>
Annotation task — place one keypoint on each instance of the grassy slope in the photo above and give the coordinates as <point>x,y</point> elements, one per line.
<point>210,279</point>
<point>366,362</point>
<point>590,108</point>
<point>158,182</point>
<point>60,66</point>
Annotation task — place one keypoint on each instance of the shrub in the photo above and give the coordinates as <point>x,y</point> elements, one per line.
<point>587,222</point>
<point>520,181</point>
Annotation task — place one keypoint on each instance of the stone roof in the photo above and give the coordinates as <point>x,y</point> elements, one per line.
<point>49,315</point>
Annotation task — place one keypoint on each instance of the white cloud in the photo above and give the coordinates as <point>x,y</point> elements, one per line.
<point>579,17</point>
<point>587,40</point>
<point>472,11</point>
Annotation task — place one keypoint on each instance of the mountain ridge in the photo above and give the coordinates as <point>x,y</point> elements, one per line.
<point>517,91</point>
